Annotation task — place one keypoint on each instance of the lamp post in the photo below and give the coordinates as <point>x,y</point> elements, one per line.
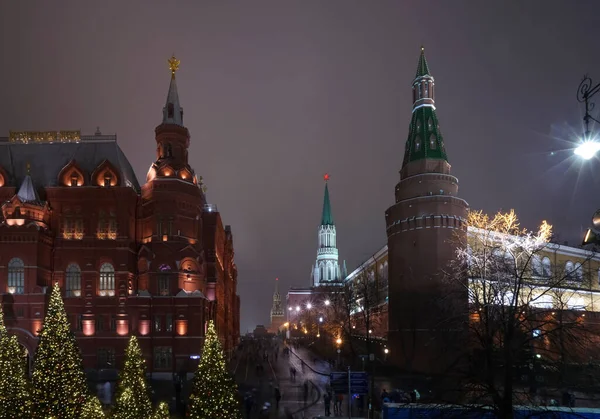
<point>588,147</point>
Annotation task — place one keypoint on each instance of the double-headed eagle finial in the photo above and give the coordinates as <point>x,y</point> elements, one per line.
<point>173,64</point>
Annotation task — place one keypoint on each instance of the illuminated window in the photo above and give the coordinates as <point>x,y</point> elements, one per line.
<point>536,266</point>
<point>16,276</point>
<point>569,270</point>
<point>169,323</point>
<point>163,357</point>
<point>108,177</point>
<point>546,267</point>
<point>74,179</point>
<point>578,272</point>
<point>432,142</point>
<point>107,280</point>
<point>73,280</point>
<point>107,225</point>
<point>157,324</point>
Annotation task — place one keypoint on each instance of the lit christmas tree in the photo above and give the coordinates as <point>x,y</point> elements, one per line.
<point>133,400</point>
<point>92,409</point>
<point>59,383</point>
<point>14,387</point>
<point>162,411</point>
<point>214,394</point>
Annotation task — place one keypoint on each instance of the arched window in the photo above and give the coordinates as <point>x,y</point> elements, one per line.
<point>107,280</point>
<point>578,272</point>
<point>546,267</point>
<point>73,280</point>
<point>536,266</point>
<point>321,273</point>
<point>16,276</point>
<point>569,270</point>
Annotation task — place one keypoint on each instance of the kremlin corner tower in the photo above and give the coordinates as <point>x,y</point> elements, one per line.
<point>423,227</point>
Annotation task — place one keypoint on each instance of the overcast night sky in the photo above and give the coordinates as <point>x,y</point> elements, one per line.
<point>276,93</point>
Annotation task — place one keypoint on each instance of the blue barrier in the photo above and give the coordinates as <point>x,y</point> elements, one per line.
<point>436,411</point>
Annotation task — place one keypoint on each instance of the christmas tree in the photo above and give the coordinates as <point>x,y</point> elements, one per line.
<point>162,411</point>
<point>59,383</point>
<point>214,393</point>
<point>14,387</point>
<point>92,409</point>
<point>133,400</point>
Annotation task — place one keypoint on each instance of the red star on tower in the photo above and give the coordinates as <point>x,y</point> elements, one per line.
<point>326,177</point>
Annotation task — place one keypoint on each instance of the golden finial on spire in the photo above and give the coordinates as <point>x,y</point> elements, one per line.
<point>173,64</point>
<point>28,168</point>
<point>422,48</point>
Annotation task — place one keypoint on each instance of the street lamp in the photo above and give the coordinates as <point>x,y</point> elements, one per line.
<point>327,302</point>
<point>592,236</point>
<point>588,146</point>
<point>308,306</point>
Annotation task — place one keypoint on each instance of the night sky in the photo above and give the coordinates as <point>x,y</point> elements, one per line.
<point>278,93</point>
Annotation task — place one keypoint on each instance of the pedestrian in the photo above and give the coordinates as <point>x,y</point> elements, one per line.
<point>277,397</point>
<point>327,401</point>
<point>417,395</point>
<point>339,400</point>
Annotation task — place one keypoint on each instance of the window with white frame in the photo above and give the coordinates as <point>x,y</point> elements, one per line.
<point>546,267</point>
<point>16,276</point>
<point>569,270</point>
<point>578,272</point>
<point>107,280</point>
<point>73,280</point>
<point>536,266</point>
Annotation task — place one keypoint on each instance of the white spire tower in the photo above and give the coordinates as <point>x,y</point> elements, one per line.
<point>327,267</point>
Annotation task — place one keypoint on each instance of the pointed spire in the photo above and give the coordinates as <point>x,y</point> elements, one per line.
<point>276,286</point>
<point>422,68</point>
<point>27,192</point>
<point>173,112</point>
<point>345,270</point>
<point>327,218</point>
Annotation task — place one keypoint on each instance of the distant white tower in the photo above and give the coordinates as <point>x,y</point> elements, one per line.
<point>327,268</point>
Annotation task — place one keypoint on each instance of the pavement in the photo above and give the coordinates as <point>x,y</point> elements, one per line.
<point>276,373</point>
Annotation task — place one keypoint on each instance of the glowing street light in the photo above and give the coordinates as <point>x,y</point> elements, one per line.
<point>587,149</point>
<point>327,302</point>
<point>338,341</point>
<point>321,319</point>
<point>297,308</point>
<point>386,351</point>
<point>589,146</point>
<point>309,306</point>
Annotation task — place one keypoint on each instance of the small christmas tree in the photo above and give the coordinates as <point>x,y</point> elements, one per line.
<point>162,411</point>
<point>133,400</point>
<point>14,387</point>
<point>214,393</point>
<point>59,383</point>
<point>92,409</point>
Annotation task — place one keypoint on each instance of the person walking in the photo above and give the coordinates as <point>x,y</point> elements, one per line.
<point>277,397</point>
<point>327,401</point>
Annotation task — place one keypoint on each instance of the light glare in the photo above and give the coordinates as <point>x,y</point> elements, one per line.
<point>587,149</point>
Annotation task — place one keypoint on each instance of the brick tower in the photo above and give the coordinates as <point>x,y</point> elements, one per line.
<point>277,313</point>
<point>423,227</point>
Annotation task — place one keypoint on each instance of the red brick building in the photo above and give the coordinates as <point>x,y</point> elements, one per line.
<point>153,260</point>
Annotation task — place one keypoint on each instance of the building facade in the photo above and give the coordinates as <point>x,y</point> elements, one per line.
<point>153,260</point>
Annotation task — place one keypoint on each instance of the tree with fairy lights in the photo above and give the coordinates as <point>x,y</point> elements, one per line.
<point>214,393</point>
<point>92,409</point>
<point>59,383</point>
<point>133,399</point>
<point>162,411</point>
<point>14,387</point>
